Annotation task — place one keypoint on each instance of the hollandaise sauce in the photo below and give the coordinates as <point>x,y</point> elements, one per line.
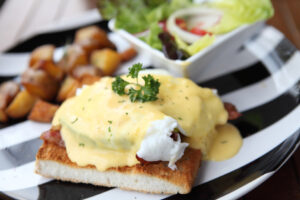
<point>102,128</point>
<point>226,143</point>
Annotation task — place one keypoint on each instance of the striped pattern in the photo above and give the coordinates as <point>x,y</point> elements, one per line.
<point>266,90</point>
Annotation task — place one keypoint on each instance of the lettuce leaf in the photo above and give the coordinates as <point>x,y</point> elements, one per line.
<point>139,15</point>
<point>239,12</point>
<point>197,46</point>
<point>152,38</point>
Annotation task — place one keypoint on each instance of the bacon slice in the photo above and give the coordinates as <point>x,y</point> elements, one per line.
<point>232,111</point>
<point>53,136</point>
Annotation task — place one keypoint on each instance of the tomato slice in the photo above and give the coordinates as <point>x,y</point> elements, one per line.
<point>181,23</point>
<point>199,31</point>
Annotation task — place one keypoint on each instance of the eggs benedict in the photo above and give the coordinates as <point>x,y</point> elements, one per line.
<point>148,128</point>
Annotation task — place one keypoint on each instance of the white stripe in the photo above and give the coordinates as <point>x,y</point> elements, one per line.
<point>265,42</point>
<point>13,64</point>
<point>20,178</point>
<point>267,89</point>
<point>21,132</point>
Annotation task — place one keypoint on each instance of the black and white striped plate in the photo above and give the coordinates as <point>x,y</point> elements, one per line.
<point>261,79</point>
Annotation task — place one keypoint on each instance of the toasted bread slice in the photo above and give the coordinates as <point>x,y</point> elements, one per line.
<point>52,161</point>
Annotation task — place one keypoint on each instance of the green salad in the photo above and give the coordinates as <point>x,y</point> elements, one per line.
<point>181,28</point>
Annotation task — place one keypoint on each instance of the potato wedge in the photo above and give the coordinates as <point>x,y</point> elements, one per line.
<point>107,60</point>
<point>42,111</point>
<point>21,105</point>
<point>92,38</point>
<point>38,83</point>
<point>51,69</point>
<point>44,52</point>
<point>82,71</point>
<point>8,91</point>
<point>128,54</point>
<point>68,89</point>
<point>3,116</point>
<point>73,57</point>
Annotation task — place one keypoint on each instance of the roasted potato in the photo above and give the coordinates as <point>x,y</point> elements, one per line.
<point>107,60</point>
<point>44,52</point>
<point>8,91</point>
<point>68,88</point>
<point>3,116</point>
<point>21,105</point>
<point>91,38</point>
<point>51,69</point>
<point>82,71</point>
<point>128,54</point>
<point>38,83</point>
<point>42,111</point>
<point>73,57</point>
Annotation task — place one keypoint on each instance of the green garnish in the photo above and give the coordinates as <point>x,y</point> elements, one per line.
<point>75,120</point>
<point>179,118</point>
<point>81,144</point>
<point>109,121</point>
<point>142,93</point>
<point>109,129</point>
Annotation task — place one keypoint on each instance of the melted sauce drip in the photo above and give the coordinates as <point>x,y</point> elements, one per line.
<point>226,144</point>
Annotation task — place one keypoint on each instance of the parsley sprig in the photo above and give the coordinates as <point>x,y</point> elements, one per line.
<point>142,93</point>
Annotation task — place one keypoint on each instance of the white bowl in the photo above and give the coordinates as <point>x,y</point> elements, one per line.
<point>225,46</point>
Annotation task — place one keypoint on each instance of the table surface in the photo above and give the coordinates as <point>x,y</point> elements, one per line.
<point>22,19</point>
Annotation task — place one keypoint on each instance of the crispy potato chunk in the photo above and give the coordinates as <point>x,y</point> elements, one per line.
<point>21,105</point>
<point>8,91</point>
<point>73,57</point>
<point>82,71</point>
<point>44,52</point>
<point>42,111</point>
<point>3,116</point>
<point>91,38</point>
<point>107,60</point>
<point>128,54</point>
<point>51,69</point>
<point>38,83</point>
<point>68,88</point>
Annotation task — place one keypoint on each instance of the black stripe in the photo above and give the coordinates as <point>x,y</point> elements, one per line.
<point>238,79</point>
<point>68,191</point>
<point>1,3</point>
<point>284,51</point>
<point>240,177</point>
<point>5,197</point>
<point>59,38</point>
<point>269,113</point>
<point>19,154</point>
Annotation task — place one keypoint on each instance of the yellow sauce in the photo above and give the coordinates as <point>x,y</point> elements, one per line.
<point>101,128</point>
<point>226,143</point>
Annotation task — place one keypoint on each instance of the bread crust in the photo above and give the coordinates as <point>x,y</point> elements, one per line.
<point>182,177</point>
